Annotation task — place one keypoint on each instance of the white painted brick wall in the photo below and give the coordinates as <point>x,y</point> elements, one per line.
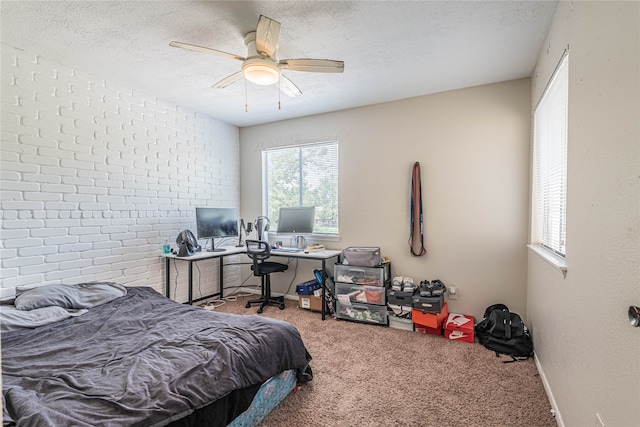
<point>95,177</point>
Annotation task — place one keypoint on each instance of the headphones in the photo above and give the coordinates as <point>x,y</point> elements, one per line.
<point>187,243</point>
<point>264,218</point>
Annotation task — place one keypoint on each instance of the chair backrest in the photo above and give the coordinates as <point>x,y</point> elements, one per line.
<point>258,251</point>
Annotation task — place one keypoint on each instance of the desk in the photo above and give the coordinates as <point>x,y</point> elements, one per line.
<point>199,256</point>
<point>322,256</point>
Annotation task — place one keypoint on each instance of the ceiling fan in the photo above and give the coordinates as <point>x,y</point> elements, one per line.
<point>261,66</point>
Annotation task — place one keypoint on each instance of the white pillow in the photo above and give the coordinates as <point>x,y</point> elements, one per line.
<point>12,319</point>
<point>83,295</point>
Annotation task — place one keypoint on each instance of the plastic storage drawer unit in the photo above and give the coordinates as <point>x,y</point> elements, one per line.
<point>366,313</point>
<point>370,276</point>
<point>360,293</point>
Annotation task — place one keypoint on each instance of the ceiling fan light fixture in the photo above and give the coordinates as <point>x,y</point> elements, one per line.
<point>261,73</point>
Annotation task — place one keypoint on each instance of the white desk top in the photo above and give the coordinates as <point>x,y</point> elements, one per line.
<point>233,250</point>
<point>325,254</point>
<point>228,250</point>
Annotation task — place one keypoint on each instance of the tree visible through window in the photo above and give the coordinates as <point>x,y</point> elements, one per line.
<point>303,175</point>
<point>550,134</point>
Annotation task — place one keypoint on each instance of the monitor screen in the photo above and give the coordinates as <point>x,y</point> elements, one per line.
<point>216,222</point>
<point>296,220</point>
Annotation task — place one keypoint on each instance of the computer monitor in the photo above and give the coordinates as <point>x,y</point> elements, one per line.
<point>299,220</point>
<point>216,222</point>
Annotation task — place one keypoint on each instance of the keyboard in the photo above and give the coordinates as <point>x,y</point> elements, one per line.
<point>285,249</point>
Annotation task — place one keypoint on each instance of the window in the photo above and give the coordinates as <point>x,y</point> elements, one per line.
<point>550,162</point>
<point>303,175</point>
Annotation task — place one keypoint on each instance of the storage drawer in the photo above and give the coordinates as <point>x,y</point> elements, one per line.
<point>370,276</point>
<point>349,293</point>
<point>362,312</point>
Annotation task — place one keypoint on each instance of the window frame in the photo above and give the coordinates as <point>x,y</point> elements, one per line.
<point>549,168</point>
<point>266,193</point>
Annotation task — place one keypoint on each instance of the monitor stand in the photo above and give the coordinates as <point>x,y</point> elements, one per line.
<point>213,248</point>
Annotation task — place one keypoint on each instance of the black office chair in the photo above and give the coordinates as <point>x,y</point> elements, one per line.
<point>259,252</point>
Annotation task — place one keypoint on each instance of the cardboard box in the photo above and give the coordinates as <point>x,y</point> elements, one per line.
<point>403,311</point>
<point>310,302</point>
<point>428,330</point>
<point>400,323</point>
<point>429,304</point>
<point>430,320</point>
<point>308,287</point>
<point>459,327</point>
<point>399,298</point>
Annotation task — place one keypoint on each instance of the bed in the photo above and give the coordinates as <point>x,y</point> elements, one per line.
<point>132,357</point>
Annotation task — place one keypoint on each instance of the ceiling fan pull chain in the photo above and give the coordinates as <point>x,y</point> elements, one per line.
<point>246,98</point>
<point>279,91</point>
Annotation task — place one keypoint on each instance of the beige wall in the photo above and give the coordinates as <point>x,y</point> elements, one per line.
<point>586,349</point>
<point>473,146</point>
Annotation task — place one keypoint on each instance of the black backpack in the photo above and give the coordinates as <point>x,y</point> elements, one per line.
<point>505,333</point>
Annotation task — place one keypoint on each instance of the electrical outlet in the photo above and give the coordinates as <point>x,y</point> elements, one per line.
<point>453,292</point>
<point>599,422</point>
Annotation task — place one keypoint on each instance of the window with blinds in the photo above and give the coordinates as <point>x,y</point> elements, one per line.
<point>303,175</point>
<point>550,162</point>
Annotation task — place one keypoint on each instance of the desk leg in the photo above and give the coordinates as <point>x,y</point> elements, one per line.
<point>167,280</point>
<point>324,299</point>
<point>220,285</point>
<point>190,282</point>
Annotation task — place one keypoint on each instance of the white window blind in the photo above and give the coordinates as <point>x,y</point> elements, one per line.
<point>550,136</point>
<point>303,175</point>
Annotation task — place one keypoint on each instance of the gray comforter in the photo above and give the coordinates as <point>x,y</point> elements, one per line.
<point>140,360</point>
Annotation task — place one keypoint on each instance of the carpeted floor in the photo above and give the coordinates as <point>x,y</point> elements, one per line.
<point>367,375</point>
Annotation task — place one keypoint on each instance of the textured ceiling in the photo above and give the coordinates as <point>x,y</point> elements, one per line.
<point>391,49</point>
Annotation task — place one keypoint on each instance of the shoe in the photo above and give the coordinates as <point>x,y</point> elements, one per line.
<point>425,288</point>
<point>438,288</point>
<point>396,283</point>
<point>408,285</point>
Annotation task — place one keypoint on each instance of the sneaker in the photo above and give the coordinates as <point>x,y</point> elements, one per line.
<point>396,283</point>
<point>408,285</point>
<point>438,288</point>
<point>425,288</point>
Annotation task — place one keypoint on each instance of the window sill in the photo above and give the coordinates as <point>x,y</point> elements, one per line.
<point>554,261</point>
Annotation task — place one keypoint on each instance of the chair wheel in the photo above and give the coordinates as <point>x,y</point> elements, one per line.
<point>247,305</point>
<point>260,310</point>
<point>281,306</point>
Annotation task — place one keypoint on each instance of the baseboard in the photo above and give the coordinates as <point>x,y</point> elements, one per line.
<point>547,389</point>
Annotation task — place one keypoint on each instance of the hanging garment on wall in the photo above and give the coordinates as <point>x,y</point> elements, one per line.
<point>416,237</point>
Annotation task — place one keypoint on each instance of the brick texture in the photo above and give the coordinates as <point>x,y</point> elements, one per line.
<point>95,178</point>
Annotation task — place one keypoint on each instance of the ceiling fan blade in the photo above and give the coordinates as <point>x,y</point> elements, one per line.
<point>313,65</point>
<point>267,34</point>
<point>229,80</point>
<point>288,87</point>
<point>206,50</point>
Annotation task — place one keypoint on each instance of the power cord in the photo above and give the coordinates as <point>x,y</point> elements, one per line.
<point>175,289</point>
<point>219,302</point>
<point>295,274</point>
